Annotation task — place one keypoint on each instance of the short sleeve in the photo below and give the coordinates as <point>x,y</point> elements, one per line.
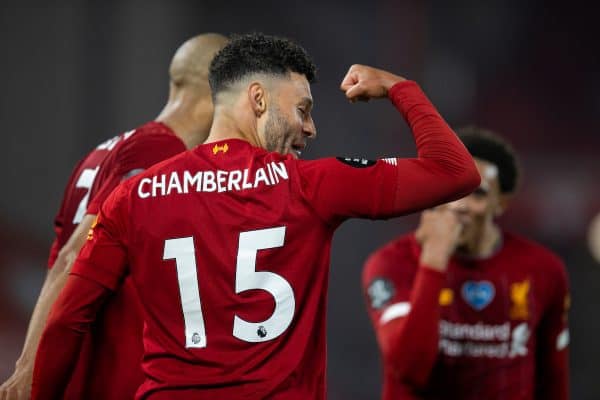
<point>103,258</point>
<point>135,155</point>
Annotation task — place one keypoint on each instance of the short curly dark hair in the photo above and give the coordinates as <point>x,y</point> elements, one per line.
<point>258,53</point>
<point>488,146</point>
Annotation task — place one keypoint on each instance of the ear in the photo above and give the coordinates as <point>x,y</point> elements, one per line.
<point>503,201</point>
<point>257,97</point>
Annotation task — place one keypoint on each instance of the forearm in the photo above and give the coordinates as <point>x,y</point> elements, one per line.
<point>434,139</point>
<point>441,155</point>
<point>410,344</point>
<point>76,241</point>
<point>61,341</point>
<point>57,366</point>
<point>54,283</point>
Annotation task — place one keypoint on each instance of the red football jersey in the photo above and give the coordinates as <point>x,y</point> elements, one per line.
<point>501,322</point>
<point>116,337</point>
<point>72,209</point>
<point>77,194</point>
<point>150,143</point>
<point>228,248</point>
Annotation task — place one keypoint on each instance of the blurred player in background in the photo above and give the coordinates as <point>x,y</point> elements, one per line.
<point>114,348</point>
<point>465,310</point>
<point>228,245</point>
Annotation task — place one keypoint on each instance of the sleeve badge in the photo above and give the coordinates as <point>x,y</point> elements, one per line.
<point>380,292</point>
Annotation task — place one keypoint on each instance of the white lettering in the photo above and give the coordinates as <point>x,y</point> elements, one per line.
<point>221,179</point>
<point>261,176</point>
<point>189,180</point>
<point>280,170</point>
<point>245,183</point>
<point>156,185</point>
<point>484,341</point>
<point>453,348</point>
<point>208,183</point>
<point>234,181</point>
<point>143,194</point>
<point>174,183</point>
<point>270,170</point>
<point>109,144</point>
<point>211,181</point>
<point>478,331</point>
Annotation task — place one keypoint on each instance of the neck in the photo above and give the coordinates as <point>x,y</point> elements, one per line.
<point>484,243</point>
<point>180,114</point>
<point>228,126</point>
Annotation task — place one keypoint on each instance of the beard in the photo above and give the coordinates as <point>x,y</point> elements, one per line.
<point>277,131</point>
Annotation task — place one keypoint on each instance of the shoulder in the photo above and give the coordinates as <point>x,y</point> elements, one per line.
<point>146,146</point>
<point>540,256</point>
<point>398,258</point>
<point>152,132</point>
<point>403,247</point>
<point>164,166</point>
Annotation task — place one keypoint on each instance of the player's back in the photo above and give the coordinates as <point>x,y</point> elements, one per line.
<point>235,260</point>
<point>76,195</point>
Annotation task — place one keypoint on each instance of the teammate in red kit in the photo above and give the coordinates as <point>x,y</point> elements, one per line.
<point>114,348</point>
<point>465,310</point>
<point>228,244</point>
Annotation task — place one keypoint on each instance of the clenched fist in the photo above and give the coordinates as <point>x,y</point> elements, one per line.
<point>364,83</point>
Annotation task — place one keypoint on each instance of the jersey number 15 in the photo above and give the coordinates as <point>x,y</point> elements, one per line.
<point>246,278</point>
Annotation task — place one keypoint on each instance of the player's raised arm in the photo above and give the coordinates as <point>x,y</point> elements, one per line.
<point>443,170</point>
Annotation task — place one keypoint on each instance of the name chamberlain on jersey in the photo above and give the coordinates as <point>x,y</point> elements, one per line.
<point>182,182</point>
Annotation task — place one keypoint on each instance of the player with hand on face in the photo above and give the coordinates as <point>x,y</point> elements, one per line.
<point>228,244</point>
<point>465,310</point>
<point>114,347</point>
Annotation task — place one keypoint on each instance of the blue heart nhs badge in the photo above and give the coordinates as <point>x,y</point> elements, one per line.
<point>478,294</point>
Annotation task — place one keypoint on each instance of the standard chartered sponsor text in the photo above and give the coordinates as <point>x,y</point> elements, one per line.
<point>482,340</point>
<point>477,331</point>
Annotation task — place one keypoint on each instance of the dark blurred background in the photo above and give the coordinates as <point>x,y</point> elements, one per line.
<point>75,73</point>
